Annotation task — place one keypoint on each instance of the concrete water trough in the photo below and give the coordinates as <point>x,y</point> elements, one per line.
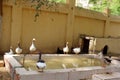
<point>76,67</point>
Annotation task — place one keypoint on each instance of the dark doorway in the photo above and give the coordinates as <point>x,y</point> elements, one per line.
<point>85,48</point>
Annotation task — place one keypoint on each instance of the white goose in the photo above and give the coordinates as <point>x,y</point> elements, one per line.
<point>32,47</point>
<point>10,52</point>
<point>40,63</point>
<point>66,48</point>
<point>18,50</point>
<point>76,50</point>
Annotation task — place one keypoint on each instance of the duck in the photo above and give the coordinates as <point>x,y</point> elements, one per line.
<point>112,60</point>
<point>32,47</point>
<point>18,50</point>
<point>108,60</point>
<point>76,50</point>
<point>102,53</point>
<point>102,58</point>
<point>66,48</point>
<point>10,52</point>
<point>105,50</point>
<point>59,51</point>
<point>40,63</point>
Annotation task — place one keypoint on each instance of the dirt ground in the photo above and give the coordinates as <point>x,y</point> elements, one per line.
<point>4,74</point>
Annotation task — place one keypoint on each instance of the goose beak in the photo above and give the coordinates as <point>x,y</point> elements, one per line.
<point>34,39</point>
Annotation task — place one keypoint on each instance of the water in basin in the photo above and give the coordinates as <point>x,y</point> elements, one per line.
<point>60,61</point>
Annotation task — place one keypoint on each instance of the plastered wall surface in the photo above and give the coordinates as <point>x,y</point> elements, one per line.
<point>53,28</point>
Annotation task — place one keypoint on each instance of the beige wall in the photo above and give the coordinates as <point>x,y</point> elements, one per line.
<point>6,28</point>
<point>114,29</point>
<point>88,26</point>
<point>113,44</point>
<point>53,28</point>
<point>49,30</point>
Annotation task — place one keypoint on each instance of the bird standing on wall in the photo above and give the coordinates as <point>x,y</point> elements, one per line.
<point>10,52</point>
<point>32,47</point>
<point>113,61</point>
<point>18,50</point>
<point>105,50</point>
<point>40,63</point>
<point>107,60</point>
<point>66,48</point>
<point>59,51</point>
<point>76,50</point>
<point>102,58</point>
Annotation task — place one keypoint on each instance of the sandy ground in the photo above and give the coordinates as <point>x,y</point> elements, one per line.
<point>4,74</point>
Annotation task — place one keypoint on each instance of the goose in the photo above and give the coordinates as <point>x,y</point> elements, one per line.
<point>66,49</point>
<point>40,63</point>
<point>32,47</point>
<point>18,50</point>
<point>76,50</point>
<point>10,52</point>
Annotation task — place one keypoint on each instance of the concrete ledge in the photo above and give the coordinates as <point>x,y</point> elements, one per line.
<point>18,72</point>
<point>112,76</point>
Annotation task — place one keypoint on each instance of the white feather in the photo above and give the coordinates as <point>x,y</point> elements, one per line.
<point>32,47</point>
<point>116,62</point>
<point>18,50</point>
<point>76,50</point>
<point>41,64</point>
<point>66,48</point>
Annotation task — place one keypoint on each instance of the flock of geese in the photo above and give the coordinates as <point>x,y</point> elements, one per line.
<point>19,50</point>
<point>40,64</point>
<point>66,50</point>
<point>32,48</point>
